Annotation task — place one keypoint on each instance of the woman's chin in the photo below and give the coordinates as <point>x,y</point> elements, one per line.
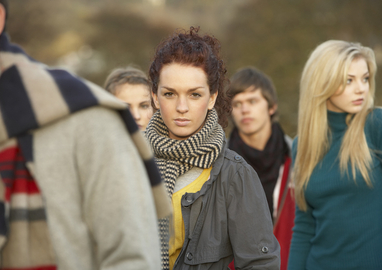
<point>181,134</point>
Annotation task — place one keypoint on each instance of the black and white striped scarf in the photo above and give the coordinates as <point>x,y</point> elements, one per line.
<point>175,157</point>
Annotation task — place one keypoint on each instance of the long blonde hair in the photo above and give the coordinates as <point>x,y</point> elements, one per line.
<point>323,74</point>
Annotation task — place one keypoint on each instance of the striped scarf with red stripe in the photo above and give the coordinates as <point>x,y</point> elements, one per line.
<point>25,221</point>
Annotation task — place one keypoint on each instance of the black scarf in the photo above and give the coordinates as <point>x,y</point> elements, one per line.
<point>267,162</point>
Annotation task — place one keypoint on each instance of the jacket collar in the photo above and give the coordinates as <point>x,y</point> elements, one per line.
<point>216,168</point>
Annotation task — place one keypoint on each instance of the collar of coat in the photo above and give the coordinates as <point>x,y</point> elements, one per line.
<point>33,95</point>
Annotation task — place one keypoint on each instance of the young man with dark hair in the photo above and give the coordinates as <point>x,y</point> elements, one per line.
<point>259,139</point>
<point>75,169</point>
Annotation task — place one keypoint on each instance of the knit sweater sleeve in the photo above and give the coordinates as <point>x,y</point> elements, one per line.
<point>303,232</point>
<point>117,203</point>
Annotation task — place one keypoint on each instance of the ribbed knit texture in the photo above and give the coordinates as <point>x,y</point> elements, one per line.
<point>342,228</point>
<point>176,157</point>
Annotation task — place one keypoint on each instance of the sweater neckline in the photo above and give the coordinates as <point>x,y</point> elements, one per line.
<point>337,121</point>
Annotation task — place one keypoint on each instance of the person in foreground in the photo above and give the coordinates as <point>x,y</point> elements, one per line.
<point>74,191</point>
<point>337,162</point>
<point>260,140</point>
<point>132,86</point>
<point>220,210</point>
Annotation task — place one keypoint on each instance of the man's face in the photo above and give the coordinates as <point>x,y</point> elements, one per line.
<point>250,112</point>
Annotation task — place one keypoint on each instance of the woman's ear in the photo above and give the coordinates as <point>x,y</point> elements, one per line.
<point>212,100</point>
<point>155,100</point>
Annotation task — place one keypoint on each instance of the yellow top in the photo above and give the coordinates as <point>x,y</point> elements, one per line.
<point>177,240</point>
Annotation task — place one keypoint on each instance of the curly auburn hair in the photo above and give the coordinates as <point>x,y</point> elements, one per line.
<point>190,48</point>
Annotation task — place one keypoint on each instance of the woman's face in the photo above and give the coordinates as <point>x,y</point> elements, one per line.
<point>184,99</point>
<point>137,96</point>
<point>354,97</point>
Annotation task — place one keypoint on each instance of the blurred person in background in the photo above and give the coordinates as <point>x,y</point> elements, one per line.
<point>74,167</point>
<point>337,162</point>
<point>131,85</point>
<point>220,210</point>
<point>260,140</point>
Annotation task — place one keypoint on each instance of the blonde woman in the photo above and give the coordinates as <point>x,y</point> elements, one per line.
<point>132,86</point>
<point>337,162</point>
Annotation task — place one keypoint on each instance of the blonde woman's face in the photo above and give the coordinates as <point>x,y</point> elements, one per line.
<point>183,98</point>
<point>137,96</point>
<point>353,98</point>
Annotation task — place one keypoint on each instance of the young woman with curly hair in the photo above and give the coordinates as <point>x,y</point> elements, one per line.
<point>220,210</point>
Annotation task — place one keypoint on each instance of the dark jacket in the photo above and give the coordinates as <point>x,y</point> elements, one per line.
<point>228,218</point>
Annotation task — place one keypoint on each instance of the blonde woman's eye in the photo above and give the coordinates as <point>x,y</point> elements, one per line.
<point>366,79</point>
<point>349,81</point>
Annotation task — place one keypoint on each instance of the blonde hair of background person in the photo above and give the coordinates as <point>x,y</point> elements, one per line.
<point>132,86</point>
<point>324,73</point>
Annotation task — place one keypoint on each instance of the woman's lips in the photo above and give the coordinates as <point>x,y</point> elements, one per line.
<point>181,122</point>
<point>358,101</point>
<point>246,120</point>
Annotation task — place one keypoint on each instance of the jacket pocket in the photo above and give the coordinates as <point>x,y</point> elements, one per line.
<point>207,253</point>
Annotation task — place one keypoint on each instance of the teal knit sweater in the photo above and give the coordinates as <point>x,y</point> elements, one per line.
<point>342,228</point>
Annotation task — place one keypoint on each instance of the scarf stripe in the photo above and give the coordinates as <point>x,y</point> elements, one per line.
<point>18,106</point>
<point>129,121</point>
<point>29,215</point>
<point>76,94</point>
<point>176,157</point>
<point>26,144</point>
<point>24,213</point>
<point>3,223</point>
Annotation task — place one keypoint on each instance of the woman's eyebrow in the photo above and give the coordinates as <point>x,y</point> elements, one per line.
<point>168,88</point>
<point>189,90</point>
<point>195,88</point>
<point>366,73</point>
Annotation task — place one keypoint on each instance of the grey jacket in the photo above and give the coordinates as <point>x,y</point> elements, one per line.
<point>228,219</point>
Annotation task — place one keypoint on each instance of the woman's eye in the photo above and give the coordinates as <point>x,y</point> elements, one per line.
<point>195,95</point>
<point>145,106</point>
<point>168,94</point>
<point>366,79</point>
<point>348,81</point>
<point>252,101</point>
